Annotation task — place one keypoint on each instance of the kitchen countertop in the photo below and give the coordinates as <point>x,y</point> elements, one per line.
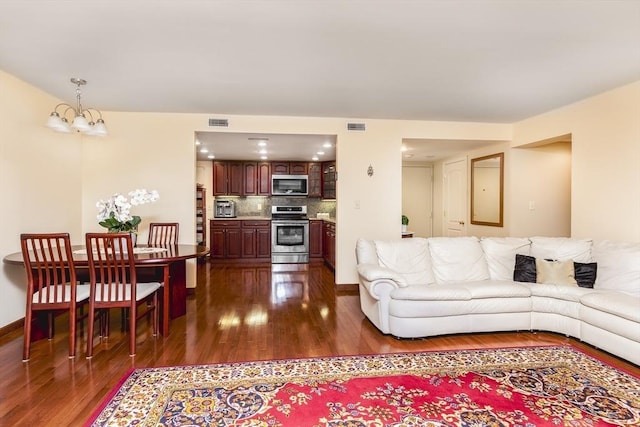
<point>266,218</point>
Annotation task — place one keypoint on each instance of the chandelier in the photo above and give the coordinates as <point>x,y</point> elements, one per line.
<point>83,118</point>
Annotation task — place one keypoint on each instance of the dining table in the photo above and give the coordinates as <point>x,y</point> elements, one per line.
<point>158,262</point>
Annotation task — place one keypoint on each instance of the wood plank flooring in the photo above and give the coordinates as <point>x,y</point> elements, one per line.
<point>238,313</point>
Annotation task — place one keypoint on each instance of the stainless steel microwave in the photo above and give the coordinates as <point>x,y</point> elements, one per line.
<point>289,185</point>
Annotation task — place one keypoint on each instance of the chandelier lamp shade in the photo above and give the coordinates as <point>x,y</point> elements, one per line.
<point>86,120</point>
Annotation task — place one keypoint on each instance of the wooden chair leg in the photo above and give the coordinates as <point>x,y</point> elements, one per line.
<point>90,332</point>
<point>26,348</point>
<point>72,332</point>
<point>132,330</point>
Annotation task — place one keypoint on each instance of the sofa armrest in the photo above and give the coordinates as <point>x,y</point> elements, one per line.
<point>378,280</point>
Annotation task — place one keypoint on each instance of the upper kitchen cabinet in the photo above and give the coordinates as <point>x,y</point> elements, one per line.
<point>315,179</point>
<point>289,168</point>
<point>329,176</point>
<point>257,178</point>
<point>227,178</point>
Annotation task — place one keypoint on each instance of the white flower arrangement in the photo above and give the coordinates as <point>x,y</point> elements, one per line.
<point>115,213</point>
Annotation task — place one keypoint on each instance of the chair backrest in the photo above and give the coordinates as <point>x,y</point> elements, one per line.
<point>112,271</point>
<point>48,261</point>
<point>163,233</point>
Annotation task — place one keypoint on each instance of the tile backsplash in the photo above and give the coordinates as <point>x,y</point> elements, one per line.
<point>261,206</point>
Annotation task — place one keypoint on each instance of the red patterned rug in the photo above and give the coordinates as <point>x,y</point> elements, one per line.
<point>532,386</point>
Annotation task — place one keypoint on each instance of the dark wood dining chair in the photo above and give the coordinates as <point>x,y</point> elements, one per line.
<point>163,233</point>
<point>114,284</point>
<point>51,284</point>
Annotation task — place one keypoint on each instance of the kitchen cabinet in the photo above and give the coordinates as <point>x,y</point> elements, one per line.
<point>226,239</point>
<point>289,168</point>
<point>329,243</point>
<point>227,178</point>
<point>256,179</point>
<point>256,239</point>
<point>201,216</point>
<point>315,238</point>
<point>264,179</point>
<point>315,179</point>
<point>329,177</point>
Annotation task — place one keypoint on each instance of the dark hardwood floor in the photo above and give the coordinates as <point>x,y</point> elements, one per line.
<point>238,313</point>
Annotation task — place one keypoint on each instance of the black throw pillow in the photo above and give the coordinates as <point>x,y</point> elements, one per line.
<point>525,269</point>
<point>585,273</point>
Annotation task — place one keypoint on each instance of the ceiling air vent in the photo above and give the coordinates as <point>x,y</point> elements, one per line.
<point>356,126</point>
<point>219,122</point>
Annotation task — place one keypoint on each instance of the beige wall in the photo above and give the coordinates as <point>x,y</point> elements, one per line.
<point>541,175</point>
<point>605,175</point>
<point>40,182</point>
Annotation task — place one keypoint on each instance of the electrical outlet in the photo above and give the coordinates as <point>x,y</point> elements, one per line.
<point>532,205</point>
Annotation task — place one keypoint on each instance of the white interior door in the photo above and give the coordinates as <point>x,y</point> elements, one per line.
<point>417,198</point>
<point>455,197</point>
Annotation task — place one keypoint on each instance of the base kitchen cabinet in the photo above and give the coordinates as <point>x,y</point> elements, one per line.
<point>329,243</point>
<point>315,239</point>
<point>226,239</point>
<point>256,239</point>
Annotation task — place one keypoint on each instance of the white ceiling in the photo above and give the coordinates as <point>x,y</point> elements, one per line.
<point>459,60</point>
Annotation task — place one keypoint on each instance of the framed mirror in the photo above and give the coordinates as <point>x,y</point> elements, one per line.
<point>487,190</point>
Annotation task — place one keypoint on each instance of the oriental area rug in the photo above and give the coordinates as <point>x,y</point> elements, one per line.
<point>532,386</point>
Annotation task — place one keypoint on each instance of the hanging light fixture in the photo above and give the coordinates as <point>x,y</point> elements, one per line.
<point>80,123</point>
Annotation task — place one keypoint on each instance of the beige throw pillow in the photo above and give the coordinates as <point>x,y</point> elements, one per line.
<point>555,272</point>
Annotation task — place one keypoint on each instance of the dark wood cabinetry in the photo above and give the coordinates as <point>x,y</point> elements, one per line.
<point>315,239</point>
<point>264,179</point>
<point>241,240</point>
<point>329,243</point>
<point>235,178</point>
<point>289,168</point>
<point>256,178</point>
<point>315,179</point>
<point>226,239</point>
<point>329,176</point>
<point>256,239</point>
<point>227,178</point>
<point>201,216</point>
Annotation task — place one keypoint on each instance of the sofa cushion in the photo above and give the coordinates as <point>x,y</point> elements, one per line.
<point>500,254</point>
<point>585,273</point>
<point>431,293</point>
<point>524,269</point>
<point>618,266</point>
<point>366,252</point>
<point>457,259</point>
<point>614,303</point>
<point>555,272</point>
<point>561,248</point>
<point>408,257</point>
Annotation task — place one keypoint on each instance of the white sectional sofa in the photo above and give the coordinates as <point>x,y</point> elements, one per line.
<point>420,287</point>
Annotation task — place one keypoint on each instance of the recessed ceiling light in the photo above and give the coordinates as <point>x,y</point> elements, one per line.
<point>211,156</point>
<point>320,153</point>
<point>204,150</point>
<point>326,145</point>
<point>262,143</point>
<point>403,147</point>
<point>315,158</point>
<point>263,157</point>
<point>197,142</point>
<point>263,151</point>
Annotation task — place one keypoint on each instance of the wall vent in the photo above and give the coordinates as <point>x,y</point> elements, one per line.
<point>356,126</point>
<point>219,122</point>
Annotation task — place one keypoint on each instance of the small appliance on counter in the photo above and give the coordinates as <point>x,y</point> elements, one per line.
<point>225,209</point>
